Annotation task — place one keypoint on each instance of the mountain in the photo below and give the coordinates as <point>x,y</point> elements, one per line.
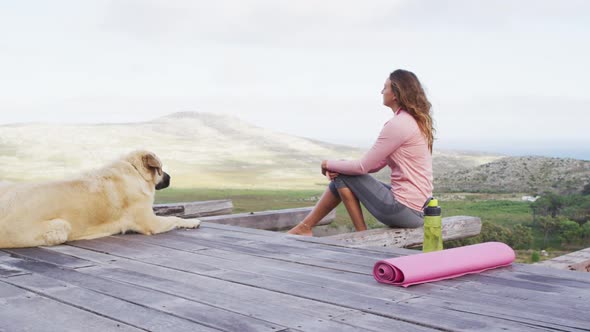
<point>197,149</point>
<point>445,161</point>
<point>519,174</point>
<point>219,151</point>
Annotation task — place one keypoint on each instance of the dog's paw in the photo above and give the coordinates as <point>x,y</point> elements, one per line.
<point>57,233</point>
<point>190,223</point>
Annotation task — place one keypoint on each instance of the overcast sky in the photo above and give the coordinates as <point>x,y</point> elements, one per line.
<point>506,76</point>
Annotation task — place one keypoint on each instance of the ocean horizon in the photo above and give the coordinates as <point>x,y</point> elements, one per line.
<point>514,151</point>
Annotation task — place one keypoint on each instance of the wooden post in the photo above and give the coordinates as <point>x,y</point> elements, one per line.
<point>269,220</point>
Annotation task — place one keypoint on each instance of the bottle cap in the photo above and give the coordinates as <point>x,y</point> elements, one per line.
<point>433,202</point>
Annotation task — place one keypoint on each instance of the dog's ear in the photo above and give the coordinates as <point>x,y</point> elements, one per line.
<point>151,161</point>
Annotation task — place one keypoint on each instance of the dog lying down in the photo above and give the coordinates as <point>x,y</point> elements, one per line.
<point>111,200</point>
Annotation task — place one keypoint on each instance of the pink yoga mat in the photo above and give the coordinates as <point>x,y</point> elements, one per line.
<point>437,265</point>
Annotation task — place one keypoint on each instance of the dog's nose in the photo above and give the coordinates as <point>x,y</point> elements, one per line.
<point>164,183</point>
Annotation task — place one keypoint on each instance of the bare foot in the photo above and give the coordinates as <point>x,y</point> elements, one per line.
<point>301,229</point>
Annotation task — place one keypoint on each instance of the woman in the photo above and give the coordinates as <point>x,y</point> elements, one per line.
<point>405,145</point>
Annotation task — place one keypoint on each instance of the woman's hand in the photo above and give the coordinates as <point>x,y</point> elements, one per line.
<point>324,167</point>
<point>331,175</point>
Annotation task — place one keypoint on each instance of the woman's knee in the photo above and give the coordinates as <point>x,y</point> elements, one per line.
<point>343,180</point>
<point>338,182</point>
<point>333,189</point>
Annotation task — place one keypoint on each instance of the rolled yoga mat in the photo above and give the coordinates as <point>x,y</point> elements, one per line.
<point>437,265</point>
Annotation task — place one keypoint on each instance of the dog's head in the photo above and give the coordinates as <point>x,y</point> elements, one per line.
<point>149,167</point>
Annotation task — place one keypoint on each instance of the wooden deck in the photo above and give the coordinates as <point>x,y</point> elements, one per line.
<point>228,278</point>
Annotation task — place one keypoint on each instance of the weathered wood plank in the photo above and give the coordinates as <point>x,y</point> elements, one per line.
<point>194,209</point>
<point>453,228</point>
<point>112,245</point>
<point>280,248</point>
<point>238,260</point>
<point>44,255</point>
<point>292,282</point>
<point>315,321</point>
<point>544,293</point>
<point>287,245</point>
<point>166,240</point>
<point>317,287</point>
<point>314,288</point>
<point>369,322</point>
<point>230,296</point>
<point>387,252</point>
<point>7,269</point>
<point>340,296</point>
<point>122,311</point>
<point>537,272</point>
<point>269,220</point>
<point>433,312</point>
<point>561,280</point>
<point>307,241</point>
<point>300,255</point>
<point>168,210</point>
<point>294,312</point>
<point>463,322</point>
<point>21,310</point>
<point>264,262</point>
<point>191,264</point>
<point>575,261</point>
<point>147,309</point>
<point>503,313</point>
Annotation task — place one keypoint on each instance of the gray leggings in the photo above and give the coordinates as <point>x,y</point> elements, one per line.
<point>378,199</point>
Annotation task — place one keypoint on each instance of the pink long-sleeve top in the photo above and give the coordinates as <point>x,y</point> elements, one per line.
<point>403,148</point>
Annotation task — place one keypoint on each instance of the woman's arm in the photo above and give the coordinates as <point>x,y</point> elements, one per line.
<point>392,136</point>
<point>379,166</point>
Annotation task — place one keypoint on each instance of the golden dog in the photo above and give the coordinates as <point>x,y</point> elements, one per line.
<point>111,200</point>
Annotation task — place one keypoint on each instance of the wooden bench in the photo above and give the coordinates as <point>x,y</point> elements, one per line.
<point>219,212</point>
<point>453,228</point>
<point>194,209</point>
<point>273,220</point>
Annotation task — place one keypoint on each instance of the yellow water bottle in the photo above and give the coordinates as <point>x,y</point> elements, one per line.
<point>432,227</point>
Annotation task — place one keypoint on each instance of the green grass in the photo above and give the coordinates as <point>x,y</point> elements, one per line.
<point>505,213</point>
<point>244,200</point>
<point>502,212</point>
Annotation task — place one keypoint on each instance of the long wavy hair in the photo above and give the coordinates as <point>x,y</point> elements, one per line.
<point>411,98</point>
